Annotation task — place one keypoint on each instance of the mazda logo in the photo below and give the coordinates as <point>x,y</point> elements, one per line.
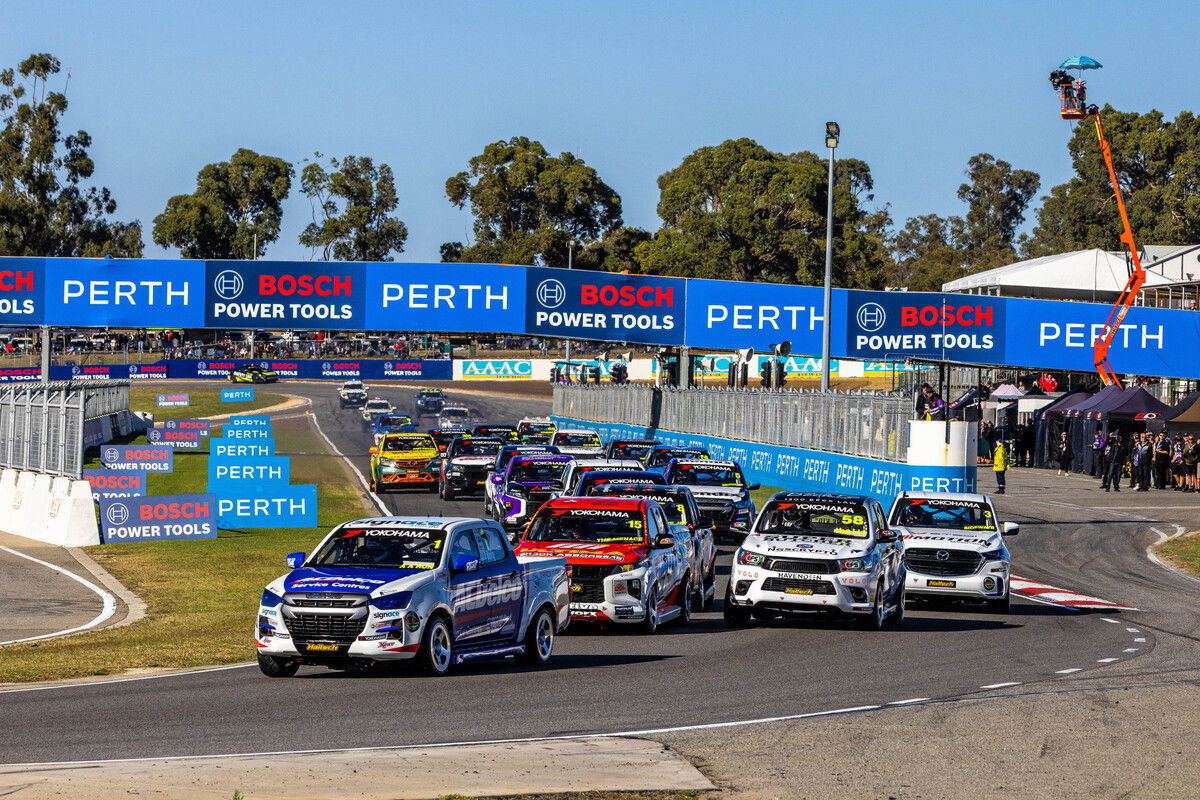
<point>117,514</point>
<point>551,293</point>
<point>943,555</point>
<point>228,284</point>
<point>871,317</point>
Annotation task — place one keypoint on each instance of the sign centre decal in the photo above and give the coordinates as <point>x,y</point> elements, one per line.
<point>582,304</point>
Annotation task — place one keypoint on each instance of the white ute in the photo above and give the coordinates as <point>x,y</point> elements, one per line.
<point>954,547</point>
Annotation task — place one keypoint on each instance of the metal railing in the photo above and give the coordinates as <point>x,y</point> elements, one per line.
<point>42,424</point>
<point>868,424</point>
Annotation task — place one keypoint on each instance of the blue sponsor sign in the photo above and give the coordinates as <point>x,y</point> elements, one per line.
<point>728,314</point>
<point>163,517</point>
<point>943,327</point>
<point>479,297</point>
<point>240,448</point>
<point>107,484</point>
<point>22,290</point>
<point>151,458</point>
<point>245,434</point>
<point>237,395</point>
<point>249,421</point>
<point>200,426</point>
<point>285,294</point>
<point>497,368</point>
<point>20,374</point>
<point>142,293</point>
<point>144,372</point>
<point>268,507</point>
<point>583,304</point>
<point>238,474</point>
<point>173,400</point>
<point>179,440</point>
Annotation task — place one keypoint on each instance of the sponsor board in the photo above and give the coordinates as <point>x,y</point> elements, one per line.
<point>285,294</point>
<point>200,426</point>
<point>147,372</point>
<point>238,395</point>
<point>884,325</point>
<point>268,507</point>
<point>497,369</point>
<point>244,434</point>
<point>108,484</point>
<point>158,518</point>
<point>221,447</point>
<point>228,473</point>
<point>583,304</point>
<point>22,288</point>
<point>126,292</point>
<point>180,440</point>
<point>256,421</point>
<point>478,297</point>
<point>151,458</point>
<point>20,374</point>
<point>173,400</point>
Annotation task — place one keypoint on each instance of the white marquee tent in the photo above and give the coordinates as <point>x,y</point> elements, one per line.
<point>1079,275</point>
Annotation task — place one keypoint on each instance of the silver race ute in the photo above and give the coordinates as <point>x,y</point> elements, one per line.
<point>440,590</point>
<point>954,547</point>
<point>811,551</point>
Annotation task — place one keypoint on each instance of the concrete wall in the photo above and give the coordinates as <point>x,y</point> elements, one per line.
<point>49,509</point>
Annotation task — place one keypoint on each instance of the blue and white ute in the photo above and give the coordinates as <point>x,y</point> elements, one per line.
<point>440,590</point>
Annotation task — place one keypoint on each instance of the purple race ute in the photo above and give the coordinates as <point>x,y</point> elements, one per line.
<point>527,482</point>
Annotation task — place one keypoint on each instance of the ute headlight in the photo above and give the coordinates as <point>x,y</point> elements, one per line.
<point>270,599</point>
<point>864,563</point>
<point>744,502</point>
<point>995,555</point>
<point>387,462</point>
<point>752,559</point>
<point>390,602</point>
<point>636,565</point>
<point>454,473</point>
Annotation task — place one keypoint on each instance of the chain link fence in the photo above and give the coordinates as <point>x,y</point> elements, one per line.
<point>868,424</point>
<point>43,425</point>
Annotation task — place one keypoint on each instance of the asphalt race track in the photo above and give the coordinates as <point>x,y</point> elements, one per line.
<point>610,681</point>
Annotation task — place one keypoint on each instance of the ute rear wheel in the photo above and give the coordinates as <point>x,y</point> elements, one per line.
<point>539,640</point>
<point>276,667</point>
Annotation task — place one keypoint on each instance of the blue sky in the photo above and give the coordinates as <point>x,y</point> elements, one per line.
<point>630,87</point>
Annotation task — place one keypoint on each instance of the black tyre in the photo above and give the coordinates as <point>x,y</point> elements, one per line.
<point>1000,606</point>
<point>735,616</point>
<point>650,623</point>
<point>710,587</point>
<point>373,485</point>
<point>687,602</point>
<point>874,620</point>
<point>896,618</point>
<point>447,492</point>
<point>276,667</point>
<point>436,654</point>
<point>539,640</point>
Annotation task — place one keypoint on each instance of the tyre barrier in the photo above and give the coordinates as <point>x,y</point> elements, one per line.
<point>47,508</point>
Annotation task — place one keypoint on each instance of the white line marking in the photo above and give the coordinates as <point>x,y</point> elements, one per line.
<point>1140,639</point>
<point>1068,671</point>
<point>565,737</point>
<point>108,608</point>
<point>1133,630</point>
<point>366,486</point>
<point>1107,660</point>
<point>1000,685</point>
<point>1131,649</point>
<point>1113,621</point>
<point>125,680</point>
<point>906,702</point>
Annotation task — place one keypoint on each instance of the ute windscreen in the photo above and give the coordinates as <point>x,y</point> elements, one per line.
<point>404,443</point>
<point>477,447</point>
<point>388,548</point>
<point>578,440</point>
<point>603,526</point>
<point>814,518</point>
<point>943,514</point>
<point>535,471</point>
<point>705,475</point>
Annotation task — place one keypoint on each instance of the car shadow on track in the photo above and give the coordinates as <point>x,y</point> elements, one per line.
<point>502,666</point>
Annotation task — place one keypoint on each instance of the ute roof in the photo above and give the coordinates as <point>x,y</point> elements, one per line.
<point>965,497</point>
<point>408,435</point>
<point>529,458</point>
<point>431,523</point>
<point>594,502</point>
<point>707,462</point>
<point>819,497</point>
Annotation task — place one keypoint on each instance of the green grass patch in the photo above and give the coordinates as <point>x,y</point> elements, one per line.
<point>1183,553</point>
<point>204,402</point>
<point>761,496</point>
<point>201,595</point>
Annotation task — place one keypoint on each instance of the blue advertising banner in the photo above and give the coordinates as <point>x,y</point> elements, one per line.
<point>249,421</point>
<point>133,292</point>
<point>497,369</point>
<point>237,395</point>
<point>583,304</point>
<point>164,517</point>
<point>22,291</point>
<point>152,458</point>
<point>285,294</point>
<point>239,475</point>
<point>200,426</point>
<point>728,314</point>
<point>891,326</point>
<point>423,297</point>
<point>107,484</point>
<point>178,440</point>
<point>174,400</point>
<point>257,448</point>
<point>269,507</point>
<point>245,434</point>
<point>20,374</point>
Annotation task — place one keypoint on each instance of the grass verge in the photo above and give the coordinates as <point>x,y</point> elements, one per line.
<point>204,402</point>
<point>201,595</point>
<point>1183,553</point>
<point>762,495</point>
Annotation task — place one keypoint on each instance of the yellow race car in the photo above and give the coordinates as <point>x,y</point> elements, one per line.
<point>404,459</point>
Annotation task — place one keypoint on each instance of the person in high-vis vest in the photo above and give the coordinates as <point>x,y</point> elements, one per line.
<point>1000,465</point>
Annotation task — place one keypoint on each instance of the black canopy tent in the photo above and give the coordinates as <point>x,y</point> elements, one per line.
<point>1049,422</point>
<point>1184,416</point>
<point>1084,424</point>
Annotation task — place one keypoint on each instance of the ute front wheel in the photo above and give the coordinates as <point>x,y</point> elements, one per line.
<point>436,654</point>
<point>276,667</point>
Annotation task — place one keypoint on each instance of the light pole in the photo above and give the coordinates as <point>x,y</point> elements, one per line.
<point>832,131</point>
<point>570,264</point>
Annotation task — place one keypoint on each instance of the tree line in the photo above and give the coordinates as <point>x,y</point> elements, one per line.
<point>734,210</point>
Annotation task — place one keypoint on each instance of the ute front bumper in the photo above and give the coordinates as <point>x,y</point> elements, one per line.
<point>846,592</point>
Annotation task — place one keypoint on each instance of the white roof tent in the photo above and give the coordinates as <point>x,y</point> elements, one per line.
<point>1080,275</point>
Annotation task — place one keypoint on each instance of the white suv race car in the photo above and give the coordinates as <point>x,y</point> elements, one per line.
<point>579,443</point>
<point>954,547</point>
<point>812,551</point>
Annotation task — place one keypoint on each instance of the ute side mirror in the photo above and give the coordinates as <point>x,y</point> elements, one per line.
<point>753,486</point>
<point>295,559</point>
<point>373,451</point>
<point>464,563</point>
<point>664,541</point>
<point>1011,529</point>
<point>888,536</point>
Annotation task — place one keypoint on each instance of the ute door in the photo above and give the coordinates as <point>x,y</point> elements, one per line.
<point>503,584</point>
<point>891,554</point>
<point>468,600</point>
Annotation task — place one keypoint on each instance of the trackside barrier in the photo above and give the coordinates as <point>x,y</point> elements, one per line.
<point>55,510</point>
<point>797,468</point>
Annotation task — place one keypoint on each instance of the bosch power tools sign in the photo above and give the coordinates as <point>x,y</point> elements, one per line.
<point>599,305</point>
<point>21,289</point>
<point>285,294</point>
<point>897,325</point>
<point>158,517</point>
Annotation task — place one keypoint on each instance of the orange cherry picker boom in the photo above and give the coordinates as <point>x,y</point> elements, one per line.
<point>1073,96</point>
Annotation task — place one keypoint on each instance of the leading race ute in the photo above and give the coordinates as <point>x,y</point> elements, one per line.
<point>437,590</point>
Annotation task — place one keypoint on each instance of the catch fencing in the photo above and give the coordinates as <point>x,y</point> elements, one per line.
<point>44,426</point>
<point>867,424</point>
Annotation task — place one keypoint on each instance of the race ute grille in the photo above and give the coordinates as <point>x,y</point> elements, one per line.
<point>783,584</point>
<point>589,578</point>
<point>537,499</point>
<point>815,566</point>
<point>721,513</point>
<point>326,626</point>
<point>925,560</point>
<point>334,603</point>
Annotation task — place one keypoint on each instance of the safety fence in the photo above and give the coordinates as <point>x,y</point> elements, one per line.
<point>44,427</point>
<point>867,424</point>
